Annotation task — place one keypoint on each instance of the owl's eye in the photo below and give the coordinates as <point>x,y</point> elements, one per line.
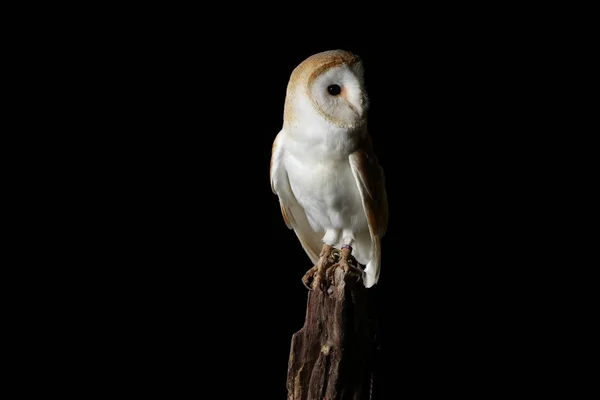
<point>334,90</point>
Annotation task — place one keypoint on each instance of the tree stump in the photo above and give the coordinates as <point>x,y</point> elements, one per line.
<point>332,356</point>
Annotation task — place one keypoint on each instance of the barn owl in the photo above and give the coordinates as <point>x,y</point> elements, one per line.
<point>329,183</point>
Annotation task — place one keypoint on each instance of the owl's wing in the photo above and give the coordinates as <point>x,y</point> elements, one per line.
<point>293,213</point>
<point>370,180</point>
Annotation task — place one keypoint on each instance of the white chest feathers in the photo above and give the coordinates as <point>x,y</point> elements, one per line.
<point>328,193</point>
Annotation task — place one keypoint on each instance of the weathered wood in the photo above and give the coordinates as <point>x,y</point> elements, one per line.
<point>332,356</point>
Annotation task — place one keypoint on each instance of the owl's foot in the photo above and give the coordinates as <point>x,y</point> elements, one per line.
<point>317,273</point>
<point>346,263</point>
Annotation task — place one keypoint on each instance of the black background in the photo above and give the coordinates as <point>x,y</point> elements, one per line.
<point>197,279</point>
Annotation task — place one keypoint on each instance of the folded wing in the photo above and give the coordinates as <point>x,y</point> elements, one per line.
<point>292,212</point>
<point>370,180</point>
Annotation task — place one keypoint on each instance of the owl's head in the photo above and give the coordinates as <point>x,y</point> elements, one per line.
<point>328,85</point>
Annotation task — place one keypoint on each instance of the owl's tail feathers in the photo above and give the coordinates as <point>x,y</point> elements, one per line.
<point>371,272</point>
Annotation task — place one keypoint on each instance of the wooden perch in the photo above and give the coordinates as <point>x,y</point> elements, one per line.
<point>332,356</point>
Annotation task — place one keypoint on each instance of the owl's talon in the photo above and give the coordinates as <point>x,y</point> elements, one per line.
<point>313,282</point>
<point>306,285</point>
<point>310,276</point>
<point>346,263</point>
<point>318,272</point>
<point>349,270</point>
<point>330,272</point>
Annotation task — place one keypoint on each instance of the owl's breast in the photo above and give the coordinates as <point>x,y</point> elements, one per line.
<point>328,193</point>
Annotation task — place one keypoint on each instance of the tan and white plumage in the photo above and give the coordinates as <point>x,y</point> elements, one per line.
<point>323,169</point>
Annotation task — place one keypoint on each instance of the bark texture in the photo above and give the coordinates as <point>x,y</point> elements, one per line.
<point>332,357</point>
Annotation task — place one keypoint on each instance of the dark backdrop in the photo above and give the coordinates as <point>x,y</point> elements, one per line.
<point>199,279</point>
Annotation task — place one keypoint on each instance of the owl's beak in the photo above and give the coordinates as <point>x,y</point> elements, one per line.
<point>358,110</point>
